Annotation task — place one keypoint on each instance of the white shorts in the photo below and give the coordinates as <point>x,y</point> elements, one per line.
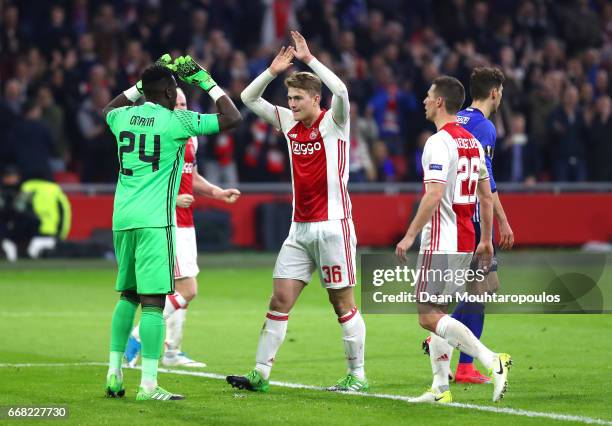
<point>186,261</point>
<point>442,274</point>
<point>326,246</point>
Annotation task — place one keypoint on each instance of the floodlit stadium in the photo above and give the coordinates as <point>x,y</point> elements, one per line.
<point>306,211</point>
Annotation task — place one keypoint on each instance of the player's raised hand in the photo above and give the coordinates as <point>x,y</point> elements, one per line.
<point>403,246</point>
<point>506,236</point>
<point>302,52</point>
<point>282,61</point>
<point>164,60</point>
<point>191,72</point>
<point>228,195</point>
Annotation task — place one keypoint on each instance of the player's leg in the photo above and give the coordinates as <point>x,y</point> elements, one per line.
<point>155,278</point>
<point>125,309</point>
<point>185,271</point>
<point>285,294</point>
<point>173,355</point>
<point>472,315</point>
<point>292,272</point>
<point>353,338</point>
<point>440,353</point>
<point>457,335</point>
<point>335,249</point>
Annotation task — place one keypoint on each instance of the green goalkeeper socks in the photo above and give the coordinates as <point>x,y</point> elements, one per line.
<point>123,319</point>
<point>152,330</point>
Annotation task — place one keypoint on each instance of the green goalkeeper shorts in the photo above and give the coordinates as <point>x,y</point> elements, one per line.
<point>145,260</point>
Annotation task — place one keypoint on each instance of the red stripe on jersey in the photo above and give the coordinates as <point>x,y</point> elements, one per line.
<point>437,246</point>
<point>273,317</point>
<point>348,316</point>
<point>465,227</point>
<point>347,201</point>
<point>184,216</point>
<point>346,235</point>
<point>434,180</point>
<point>423,273</point>
<point>341,173</point>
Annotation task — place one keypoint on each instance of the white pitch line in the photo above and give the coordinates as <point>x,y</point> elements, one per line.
<point>488,408</point>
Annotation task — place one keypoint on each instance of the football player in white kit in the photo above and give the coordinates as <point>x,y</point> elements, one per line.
<point>186,263</point>
<point>322,237</point>
<point>454,171</point>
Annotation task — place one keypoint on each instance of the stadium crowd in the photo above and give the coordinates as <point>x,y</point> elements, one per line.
<point>62,61</point>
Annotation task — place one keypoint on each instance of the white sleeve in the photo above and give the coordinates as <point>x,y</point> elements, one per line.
<point>340,100</point>
<point>484,172</point>
<point>435,161</point>
<point>251,96</point>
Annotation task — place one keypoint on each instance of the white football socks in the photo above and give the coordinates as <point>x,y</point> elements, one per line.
<point>173,303</point>
<point>440,353</point>
<point>271,337</point>
<point>460,337</point>
<point>174,330</point>
<point>353,336</point>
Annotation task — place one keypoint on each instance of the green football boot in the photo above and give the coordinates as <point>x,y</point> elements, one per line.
<point>350,383</point>
<point>252,381</point>
<point>157,394</point>
<point>114,387</point>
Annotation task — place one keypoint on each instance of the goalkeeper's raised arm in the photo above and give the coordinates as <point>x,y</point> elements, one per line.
<point>340,100</point>
<point>192,73</point>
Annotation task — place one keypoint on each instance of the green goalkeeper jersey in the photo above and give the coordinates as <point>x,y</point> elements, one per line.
<point>151,146</point>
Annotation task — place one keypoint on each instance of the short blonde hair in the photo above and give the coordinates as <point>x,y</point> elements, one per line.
<point>306,81</point>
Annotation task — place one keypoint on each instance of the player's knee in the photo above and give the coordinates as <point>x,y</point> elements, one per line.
<point>131,296</point>
<point>341,307</point>
<point>280,302</point>
<point>428,322</point>
<point>191,294</point>
<point>153,300</point>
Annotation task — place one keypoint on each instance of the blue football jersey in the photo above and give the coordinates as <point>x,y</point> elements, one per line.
<point>474,121</point>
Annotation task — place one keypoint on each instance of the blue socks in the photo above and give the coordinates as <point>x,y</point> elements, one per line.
<point>472,316</point>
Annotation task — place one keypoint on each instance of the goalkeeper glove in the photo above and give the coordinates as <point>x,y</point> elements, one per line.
<point>191,72</point>
<point>135,92</point>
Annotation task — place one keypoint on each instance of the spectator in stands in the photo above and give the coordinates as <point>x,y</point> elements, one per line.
<point>520,150</point>
<point>384,49</point>
<point>10,109</point>
<point>52,116</point>
<point>600,141</point>
<point>363,133</point>
<point>568,133</point>
<point>385,170</point>
<point>99,149</point>
<point>30,143</point>
<point>389,104</point>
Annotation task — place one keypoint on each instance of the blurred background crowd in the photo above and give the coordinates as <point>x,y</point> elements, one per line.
<point>62,61</point>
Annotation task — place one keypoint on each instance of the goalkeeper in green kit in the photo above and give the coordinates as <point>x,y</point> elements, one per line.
<point>151,143</point>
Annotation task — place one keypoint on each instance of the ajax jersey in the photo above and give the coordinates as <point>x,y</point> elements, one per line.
<point>454,157</point>
<point>319,167</point>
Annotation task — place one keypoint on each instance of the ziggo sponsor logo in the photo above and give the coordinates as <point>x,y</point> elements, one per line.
<point>305,148</point>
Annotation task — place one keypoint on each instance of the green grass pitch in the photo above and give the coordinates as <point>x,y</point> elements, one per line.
<point>57,313</point>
